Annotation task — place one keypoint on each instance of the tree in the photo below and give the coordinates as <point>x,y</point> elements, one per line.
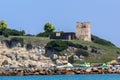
<point>49,28</point>
<point>22,32</point>
<point>3,26</point>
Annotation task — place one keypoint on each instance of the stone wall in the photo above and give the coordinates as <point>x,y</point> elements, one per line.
<point>83,31</point>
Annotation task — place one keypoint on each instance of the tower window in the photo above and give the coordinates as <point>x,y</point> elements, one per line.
<point>83,26</point>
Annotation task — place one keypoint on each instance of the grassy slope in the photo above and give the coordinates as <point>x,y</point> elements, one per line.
<point>29,39</point>
<point>108,52</point>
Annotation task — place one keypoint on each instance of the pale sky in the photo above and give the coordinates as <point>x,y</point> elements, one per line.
<point>31,15</point>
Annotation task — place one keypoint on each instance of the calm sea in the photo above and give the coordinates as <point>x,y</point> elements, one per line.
<point>65,77</point>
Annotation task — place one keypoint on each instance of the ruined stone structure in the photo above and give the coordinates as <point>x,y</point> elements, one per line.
<point>83,31</point>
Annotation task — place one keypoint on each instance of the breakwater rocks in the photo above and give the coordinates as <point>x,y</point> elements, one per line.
<point>90,70</point>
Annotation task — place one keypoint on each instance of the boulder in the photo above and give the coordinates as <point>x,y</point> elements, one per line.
<point>54,56</point>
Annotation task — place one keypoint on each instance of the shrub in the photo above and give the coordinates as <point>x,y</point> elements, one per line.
<point>45,34</point>
<point>5,62</point>
<point>29,35</point>
<point>29,46</point>
<point>17,39</point>
<point>71,59</point>
<point>82,52</point>
<point>12,32</point>
<point>101,41</point>
<point>85,48</point>
<point>14,41</point>
<point>8,43</point>
<point>74,45</point>
<point>94,50</point>
<point>57,45</point>
<point>118,52</point>
<point>6,34</point>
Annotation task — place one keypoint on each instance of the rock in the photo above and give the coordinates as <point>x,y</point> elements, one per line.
<point>95,70</point>
<point>88,70</point>
<point>24,57</point>
<point>76,57</point>
<point>61,62</point>
<point>54,56</point>
<point>33,57</point>
<point>58,62</point>
<point>62,57</point>
<point>20,73</point>
<point>42,72</point>
<point>11,56</point>
<point>82,57</point>
<point>70,72</point>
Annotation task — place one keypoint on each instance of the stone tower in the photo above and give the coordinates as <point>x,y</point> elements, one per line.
<point>83,31</point>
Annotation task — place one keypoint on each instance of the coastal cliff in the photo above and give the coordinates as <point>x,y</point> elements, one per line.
<point>33,52</point>
<point>23,56</point>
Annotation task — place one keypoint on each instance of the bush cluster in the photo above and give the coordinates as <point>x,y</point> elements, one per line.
<point>5,62</point>
<point>45,34</point>
<point>57,45</point>
<point>13,41</point>
<point>29,46</point>
<point>12,32</point>
<point>76,45</point>
<point>71,59</point>
<point>98,40</point>
<point>82,52</point>
<point>94,50</point>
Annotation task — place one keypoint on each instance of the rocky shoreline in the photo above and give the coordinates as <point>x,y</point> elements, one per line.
<point>62,71</point>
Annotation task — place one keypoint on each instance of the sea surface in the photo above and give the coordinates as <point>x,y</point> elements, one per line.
<point>65,77</point>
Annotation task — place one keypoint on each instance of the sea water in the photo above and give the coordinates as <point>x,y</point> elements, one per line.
<point>65,77</point>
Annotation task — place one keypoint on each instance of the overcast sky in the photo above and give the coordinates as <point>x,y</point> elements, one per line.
<point>31,15</point>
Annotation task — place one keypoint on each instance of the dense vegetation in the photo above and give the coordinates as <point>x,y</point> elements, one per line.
<point>57,45</point>
<point>5,31</point>
<point>98,40</point>
<point>71,44</point>
<point>44,34</point>
<point>71,59</point>
<point>29,46</point>
<point>14,41</point>
<point>11,32</point>
<point>82,52</point>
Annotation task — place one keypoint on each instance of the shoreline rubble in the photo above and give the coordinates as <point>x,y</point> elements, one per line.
<point>61,71</point>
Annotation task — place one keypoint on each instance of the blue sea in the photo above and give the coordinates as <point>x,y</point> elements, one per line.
<point>65,77</point>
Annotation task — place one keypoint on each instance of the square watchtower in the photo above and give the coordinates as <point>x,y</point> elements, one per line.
<point>83,31</point>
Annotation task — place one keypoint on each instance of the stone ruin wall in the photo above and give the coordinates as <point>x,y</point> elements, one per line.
<point>83,31</point>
